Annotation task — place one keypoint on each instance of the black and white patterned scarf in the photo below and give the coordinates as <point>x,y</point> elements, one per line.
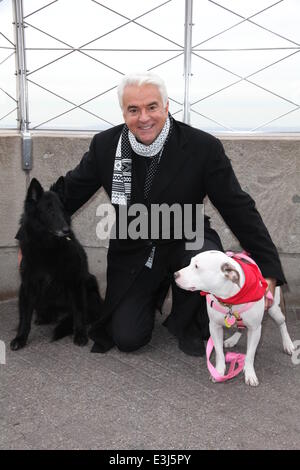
<point>121,183</point>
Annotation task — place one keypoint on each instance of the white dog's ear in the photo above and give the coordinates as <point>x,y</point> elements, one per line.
<point>231,273</point>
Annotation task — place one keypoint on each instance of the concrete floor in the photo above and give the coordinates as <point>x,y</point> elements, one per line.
<point>60,396</point>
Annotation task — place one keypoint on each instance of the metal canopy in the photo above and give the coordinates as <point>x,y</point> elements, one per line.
<point>185,51</point>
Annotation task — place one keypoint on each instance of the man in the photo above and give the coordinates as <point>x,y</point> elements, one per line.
<point>153,159</point>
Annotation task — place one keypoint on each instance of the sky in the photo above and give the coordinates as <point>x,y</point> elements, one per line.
<point>245,66</point>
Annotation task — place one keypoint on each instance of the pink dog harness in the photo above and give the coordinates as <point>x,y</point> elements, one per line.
<point>231,317</point>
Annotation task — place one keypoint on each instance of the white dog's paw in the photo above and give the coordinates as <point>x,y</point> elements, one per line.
<point>288,346</point>
<point>232,341</point>
<point>220,368</point>
<point>250,377</point>
<point>229,343</point>
<point>221,371</point>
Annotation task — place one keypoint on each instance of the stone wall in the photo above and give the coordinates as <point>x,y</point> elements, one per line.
<point>267,167</point>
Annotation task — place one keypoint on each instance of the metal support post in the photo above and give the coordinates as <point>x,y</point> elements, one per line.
<point>187,58</point>
<point>22,92</point>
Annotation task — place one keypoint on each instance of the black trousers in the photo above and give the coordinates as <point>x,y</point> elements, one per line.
<point>133,319</point>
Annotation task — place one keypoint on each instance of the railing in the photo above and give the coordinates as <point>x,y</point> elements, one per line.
<point>229,66</point>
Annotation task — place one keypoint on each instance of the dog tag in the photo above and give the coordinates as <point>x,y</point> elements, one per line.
<point>229,320</point>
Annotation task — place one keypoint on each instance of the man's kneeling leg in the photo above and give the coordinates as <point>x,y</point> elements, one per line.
<point>133,319</point>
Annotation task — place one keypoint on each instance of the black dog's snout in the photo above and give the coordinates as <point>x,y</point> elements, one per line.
<point>63,232</point>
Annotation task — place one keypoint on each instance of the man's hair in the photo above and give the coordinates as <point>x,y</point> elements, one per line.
<point>140,79</point>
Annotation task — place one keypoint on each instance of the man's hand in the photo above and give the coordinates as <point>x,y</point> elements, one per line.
<point>19,257</point>
<point>271,288</point>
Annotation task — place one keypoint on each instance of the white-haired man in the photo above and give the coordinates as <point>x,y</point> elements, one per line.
<point>153,159</point>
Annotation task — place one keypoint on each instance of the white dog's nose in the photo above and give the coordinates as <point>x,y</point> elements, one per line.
<point>176,275</point>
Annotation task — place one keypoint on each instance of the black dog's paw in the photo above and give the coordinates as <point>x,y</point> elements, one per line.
<point>17,343</point>
<point>42,321</point>
<point>80,338</point>
<point>64,328</point>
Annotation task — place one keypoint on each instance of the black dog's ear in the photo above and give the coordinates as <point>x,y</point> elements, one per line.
<point>35,190</point>
<point>59,188</point>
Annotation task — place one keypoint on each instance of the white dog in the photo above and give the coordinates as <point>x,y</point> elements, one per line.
<point>223,277</point>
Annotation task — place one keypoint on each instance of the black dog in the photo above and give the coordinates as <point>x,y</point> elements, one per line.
<point>55,281</point>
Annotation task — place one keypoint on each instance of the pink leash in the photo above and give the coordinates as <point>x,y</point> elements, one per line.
<point>230,357</point>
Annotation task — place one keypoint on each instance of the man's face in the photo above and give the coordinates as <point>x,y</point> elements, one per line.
<point>144,112</point>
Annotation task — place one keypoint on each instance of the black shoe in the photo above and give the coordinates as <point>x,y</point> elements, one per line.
<point>192,346</point>
<point>102,347</point>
